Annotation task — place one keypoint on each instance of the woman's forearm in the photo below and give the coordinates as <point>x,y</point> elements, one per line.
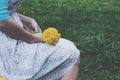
<point>14,30</point>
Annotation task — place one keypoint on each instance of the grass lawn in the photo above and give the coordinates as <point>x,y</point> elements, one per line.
<point>94,27</point>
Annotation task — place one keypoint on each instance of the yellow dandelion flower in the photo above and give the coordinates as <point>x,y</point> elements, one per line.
<point>51,36</point>
<point>2,78</point>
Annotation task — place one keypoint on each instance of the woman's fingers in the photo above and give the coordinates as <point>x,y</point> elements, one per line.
<point>39,30</point>
<point>36,29</point>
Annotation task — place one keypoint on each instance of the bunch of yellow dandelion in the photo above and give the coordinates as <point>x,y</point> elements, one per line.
<point>51,36</point>
<point>2,78</point>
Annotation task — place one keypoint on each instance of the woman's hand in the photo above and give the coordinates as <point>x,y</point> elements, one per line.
<point>30,23</point>
<point>39,37</point>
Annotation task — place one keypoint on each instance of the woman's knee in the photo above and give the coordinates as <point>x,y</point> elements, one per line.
<point>78,62</point>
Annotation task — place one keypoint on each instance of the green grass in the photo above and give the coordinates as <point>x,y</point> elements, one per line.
<point>94,27</point>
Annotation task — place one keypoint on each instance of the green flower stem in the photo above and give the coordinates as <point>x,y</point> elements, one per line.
<point>26,28</point>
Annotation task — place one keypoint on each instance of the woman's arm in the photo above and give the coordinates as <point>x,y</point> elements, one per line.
<point>13,29</point>
<point>30,23</point>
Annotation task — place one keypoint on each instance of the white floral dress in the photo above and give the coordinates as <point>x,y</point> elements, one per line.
<point>23,61</point>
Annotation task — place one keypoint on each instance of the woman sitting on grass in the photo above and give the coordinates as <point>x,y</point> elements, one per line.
<point>25,56</point>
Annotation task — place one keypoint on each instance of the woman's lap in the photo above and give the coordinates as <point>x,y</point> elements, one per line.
<point>41,60</point>
<point>59,62</point>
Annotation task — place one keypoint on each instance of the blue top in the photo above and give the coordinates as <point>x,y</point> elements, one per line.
<point>4,15</point>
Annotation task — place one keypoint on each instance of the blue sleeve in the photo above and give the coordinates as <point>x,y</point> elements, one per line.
<point>4,15</point>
